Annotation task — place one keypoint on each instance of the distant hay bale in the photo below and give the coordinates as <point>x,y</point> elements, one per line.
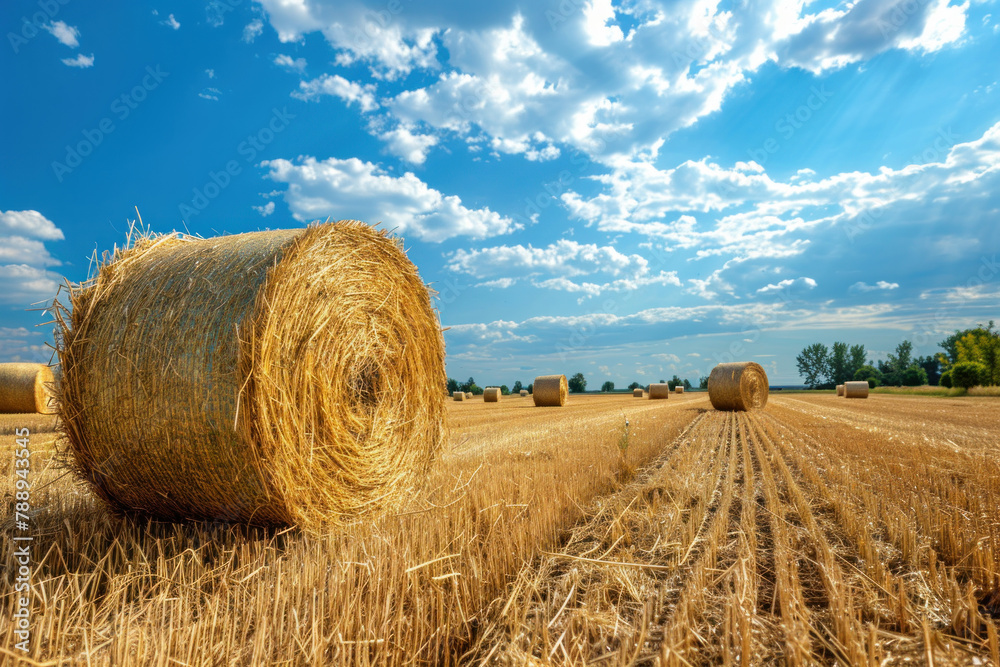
<point>679,389</point>
<point>740,385</point>
<point>550,390</point>
<point>658,390</point>
<point>856,389</point>
<point>459,395</point>
<point>637,392</point>
<point>524,392</point>
<point>840,389</point>
<point>269,378</point>
<point>491,395</point>
<point>26,388</point>
<point>468,395</point>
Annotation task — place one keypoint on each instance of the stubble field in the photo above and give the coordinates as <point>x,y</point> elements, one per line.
<point>820,530</point>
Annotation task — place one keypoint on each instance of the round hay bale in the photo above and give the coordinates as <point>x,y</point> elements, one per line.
<point>637,392</point>
<point>679,389</point>
<point>468,395</point>
<point>270,378</point>
<point>550,390</point>
<point>26,388</point>
<point>856,389</point>
<point>459,395</point>
<point>840,389</point>
<point>658,390</point>
<point>491,395</point>
<point>524,392</point>
<point>740,385</point>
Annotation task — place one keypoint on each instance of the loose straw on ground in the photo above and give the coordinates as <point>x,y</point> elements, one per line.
<point>550,390</point>
<point>269,378</point>
<point>740,385</point>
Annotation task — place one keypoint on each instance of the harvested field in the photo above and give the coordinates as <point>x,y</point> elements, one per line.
<point>815,531</point>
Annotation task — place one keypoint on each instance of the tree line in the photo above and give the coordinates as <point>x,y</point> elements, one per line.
<point>970,357</point>
<point>577,385</point>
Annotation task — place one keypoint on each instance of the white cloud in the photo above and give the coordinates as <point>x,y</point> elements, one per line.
<point>252,30</point>
<point>80,61</point>
<point>29,223</point>
<point>361,190</point>
<point>66,34</point>
<point>862,286</point>
<point>210,94</point>
<point>265,210</point>
<point>407,145</point>
<point>565,258</point>
<point>788,284</point>
<point>210,73</point>
<point>23,285</point>
<point>297,64</point>
<point>337,86</point>
<point>171,22</point>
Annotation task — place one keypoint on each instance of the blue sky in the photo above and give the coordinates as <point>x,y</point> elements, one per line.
<point>629,190</point>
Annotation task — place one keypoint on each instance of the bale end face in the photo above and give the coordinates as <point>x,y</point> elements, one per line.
<point>491,395</point>
<point>637,393</point>
<point>840,389</point>
<point>740,385</point>
<point>856,389</point>
<point>550,390</point>
<point>459,395</point>
<point>679,389</point>
<point>659,390</point>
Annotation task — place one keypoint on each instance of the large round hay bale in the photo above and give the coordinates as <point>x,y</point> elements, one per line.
<point>550,390</point>
<point>637,392</point>
<point>459,396</point>
<point>840,389</point>
<point>26,388</point>
<point>524,392</point>
<point>740,385</point>
<point>679,389</point>
<point>491,395</point>
<point>468,395</point>
<point>658,390</point>
<point>856,389</point>
<point>269,378</point>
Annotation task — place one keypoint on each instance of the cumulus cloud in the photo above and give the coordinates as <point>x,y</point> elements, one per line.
<point>265,210</point>
<point>788,284</point>
<point>80,61</point>
<point>252,30</point>
<point>66,34</point>
<point>361,190</point>
<point>29,223</point>
<point>286,61</point>
<point>862,286</point>
<point>409,146</point>
<point>171,22</point>
<point>337,86</point>
<point>565,258</point>
<point>24,260</point>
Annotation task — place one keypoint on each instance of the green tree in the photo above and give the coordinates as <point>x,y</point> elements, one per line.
<point>814,364</point>
<point>504,390</point>
<point>968,374</point>
<point>577,383</point>
<point>608,386</point>
<point>897,362</point>
<point>914,376</point>
<point>673,382</point>
<point>517,387</point>
<point>839,364</point>
<point>868,374</point>
<point>475,389</point>
<point>468,384</point>
<point>857,357</point>
<point>687,384</point>
<point>452,385</point>
<point>946,379</point>
<point>982,345</point>
<point>703,382</point>
<point>932,367</point>
<point>531,388</point>
<point>634,386</point>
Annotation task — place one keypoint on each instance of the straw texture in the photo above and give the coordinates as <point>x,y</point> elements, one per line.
<point>459,395</point>
<point>679,389</point>
<point>658,390</point>
<point>468,395</point>
<point>26,388</point>
<point>491,395</point>
<point>637,393</point>
<point>740,385</point>
<point>550,390</point>
<point>271,378</point>
<point>856,389</point>
<point>524,392</point>
<point>840,389</point>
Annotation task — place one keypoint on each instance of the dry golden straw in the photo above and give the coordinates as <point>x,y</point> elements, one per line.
<point>524,392</point>
<point>26,388</point>
<point>459,395</point>
<point>468,395</point>
<point>679,389</point>
<point>491,395</point>
<point>658,390</point>
<point>840,389</point>
<point>637,392</point>
<point>856,389</point>
<point>740,385</point>
<point>270,378</point>
<point>550,390</point>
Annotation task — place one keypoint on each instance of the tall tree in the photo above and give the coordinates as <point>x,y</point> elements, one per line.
<point>703,382</point>
<point>452,385</point>
<point>687,383</point>
<point>577,383</point>
<point>673,382</point>
<point>857,357</point>
<point>517,387</point>
<point>814,364</point>
<point>982,345</point>
<point>608,386</point>
<point>932,367</point>
<point>839,364</point>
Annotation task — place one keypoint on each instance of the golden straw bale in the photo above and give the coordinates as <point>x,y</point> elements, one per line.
<point>550,390</point>
<point>459,395</point>
<point>524,392</point>
<point>637,392</point>
<point>840,390</point>
<point>856,389</point>
<point>491,395</point>
<point>740,385</point>
<point>679,389</point>
<point>658,390</point>
<point>26,388</point>
<point>270,378</point>
<point>468,395</point>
